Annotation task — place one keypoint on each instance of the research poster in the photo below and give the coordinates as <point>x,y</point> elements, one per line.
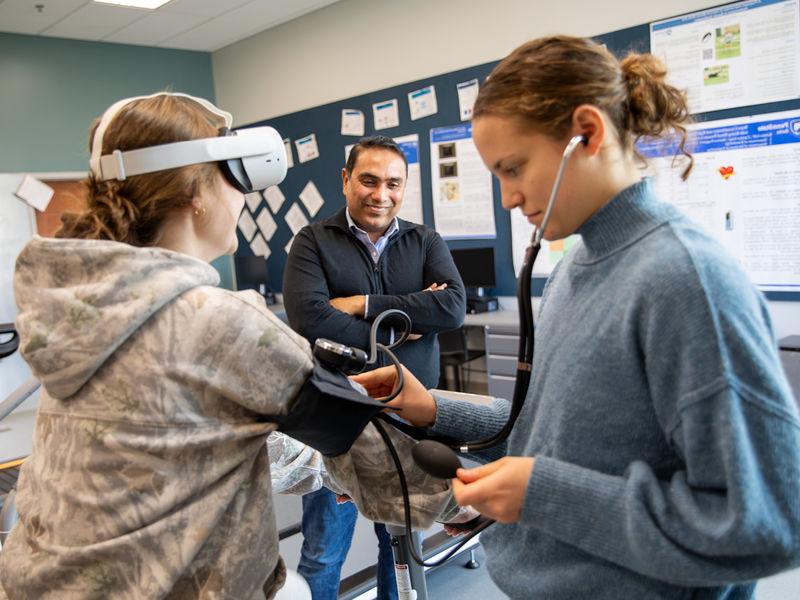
<point>550,253</point>
<point>461,185</point>
<point>744,189</point>
<point>734,55</point>
<point>411,210</point>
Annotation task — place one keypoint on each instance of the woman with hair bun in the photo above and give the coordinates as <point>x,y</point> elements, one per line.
<point>150,470</point>
<point>658,451</point>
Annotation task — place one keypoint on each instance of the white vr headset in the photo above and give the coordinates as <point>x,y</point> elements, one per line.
<point>251,159</point>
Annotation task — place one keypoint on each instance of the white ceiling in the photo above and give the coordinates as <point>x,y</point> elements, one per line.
<point>186,24</point>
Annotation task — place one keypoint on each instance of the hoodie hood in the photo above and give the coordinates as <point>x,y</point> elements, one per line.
<point>79,300</point>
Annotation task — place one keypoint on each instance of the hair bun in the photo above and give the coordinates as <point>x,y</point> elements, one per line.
<point>655,107</point>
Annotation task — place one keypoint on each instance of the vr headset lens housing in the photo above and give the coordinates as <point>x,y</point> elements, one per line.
<point>263,167</point>
<point>251,159</point>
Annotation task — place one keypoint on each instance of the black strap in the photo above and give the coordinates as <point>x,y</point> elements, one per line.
<point>9,346</point>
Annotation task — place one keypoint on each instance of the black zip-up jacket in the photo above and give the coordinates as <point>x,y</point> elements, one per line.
<point>328,261</point>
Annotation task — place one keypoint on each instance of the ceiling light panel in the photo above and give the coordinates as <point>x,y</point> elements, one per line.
<point>148,4</point>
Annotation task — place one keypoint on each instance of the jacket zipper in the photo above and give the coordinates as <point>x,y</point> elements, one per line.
<point>376,275</point>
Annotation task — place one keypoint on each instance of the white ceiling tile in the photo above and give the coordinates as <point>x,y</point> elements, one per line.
<point>21,16</point>
<point>95,21</point>
<point>237,24</point>
<point>204,25</point>
<point>204,8</point>
<point>155,28</point>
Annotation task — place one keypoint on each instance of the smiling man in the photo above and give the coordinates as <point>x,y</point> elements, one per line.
<point>341,273</point>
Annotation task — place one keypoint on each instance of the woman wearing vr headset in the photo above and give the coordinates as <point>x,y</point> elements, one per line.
<point>658,452</point>
<point>150,475</point>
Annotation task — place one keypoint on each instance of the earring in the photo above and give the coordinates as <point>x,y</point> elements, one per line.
<point>201,212</point>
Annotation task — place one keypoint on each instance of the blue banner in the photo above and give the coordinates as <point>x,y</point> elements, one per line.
<point>449,134</point>
<point>731,137</point>
<point>712,13</point>
<point>411,150</point>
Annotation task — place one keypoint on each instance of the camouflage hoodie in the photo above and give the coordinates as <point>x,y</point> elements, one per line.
<point>149,476</point>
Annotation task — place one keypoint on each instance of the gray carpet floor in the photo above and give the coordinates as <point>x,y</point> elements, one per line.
<point>453,580</point>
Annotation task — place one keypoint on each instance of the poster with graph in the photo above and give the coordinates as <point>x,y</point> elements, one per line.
<point>744,189</point>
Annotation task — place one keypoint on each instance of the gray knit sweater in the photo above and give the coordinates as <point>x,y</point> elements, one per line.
<point>667,442</point>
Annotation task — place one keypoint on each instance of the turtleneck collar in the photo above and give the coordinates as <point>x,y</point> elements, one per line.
<point>627,217</point>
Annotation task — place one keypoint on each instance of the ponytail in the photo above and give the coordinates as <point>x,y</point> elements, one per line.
<point>109,216</point>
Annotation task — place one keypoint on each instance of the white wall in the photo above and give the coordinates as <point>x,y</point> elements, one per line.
<point>17,226</point>
<point>357,46</point>
<point>354,47</point>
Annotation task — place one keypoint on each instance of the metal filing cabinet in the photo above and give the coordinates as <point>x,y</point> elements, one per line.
<point>502,346</point>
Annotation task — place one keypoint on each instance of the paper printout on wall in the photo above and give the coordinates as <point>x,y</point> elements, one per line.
<point>411,210</point>
<point>467,93</point>
<point>386,114</point>
<point>287,144</point>
<point>307,148</point>
<point>733,55</point>
<point>312,198</point>
<point>246,225</point>
<point>253,200</point>
<point>550,253</point>
<point>461,185</point>
<point>352,122</point>
<point>422,103</point>
<point>266,224</point>
<point>295,219</point>
<point>275,198</point>
<point>744,189</point>
<point>36,193</point>
<point>260,247</point>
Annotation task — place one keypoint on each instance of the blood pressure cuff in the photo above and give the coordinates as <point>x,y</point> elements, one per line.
<point>328,414</point>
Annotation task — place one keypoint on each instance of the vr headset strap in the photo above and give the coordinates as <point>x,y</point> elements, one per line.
<point>120,165</point>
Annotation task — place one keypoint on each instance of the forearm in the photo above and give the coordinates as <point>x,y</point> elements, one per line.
<point>294,467</point>
<point>369,476</point>
<point>318,319</point>
<point>307,299</point>
<point>430,312</point>
<point>467,421</point>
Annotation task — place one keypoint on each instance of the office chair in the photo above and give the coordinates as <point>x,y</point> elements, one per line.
<point>454,353</point>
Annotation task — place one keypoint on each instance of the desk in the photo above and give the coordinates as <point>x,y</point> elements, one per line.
<point>503,317</point>
<point>501,339</point>
<point>501,335</point>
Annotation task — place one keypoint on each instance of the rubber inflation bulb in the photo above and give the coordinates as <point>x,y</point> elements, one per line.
<point>436,459</point>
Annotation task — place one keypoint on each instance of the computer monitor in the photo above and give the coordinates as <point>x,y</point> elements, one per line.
<point>476,266</point>
<point>251,273</point>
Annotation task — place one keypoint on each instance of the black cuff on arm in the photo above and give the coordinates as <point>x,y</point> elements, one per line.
<point>328,414</point>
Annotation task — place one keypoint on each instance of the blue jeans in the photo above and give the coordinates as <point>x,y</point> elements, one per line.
<point>327,534</point>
